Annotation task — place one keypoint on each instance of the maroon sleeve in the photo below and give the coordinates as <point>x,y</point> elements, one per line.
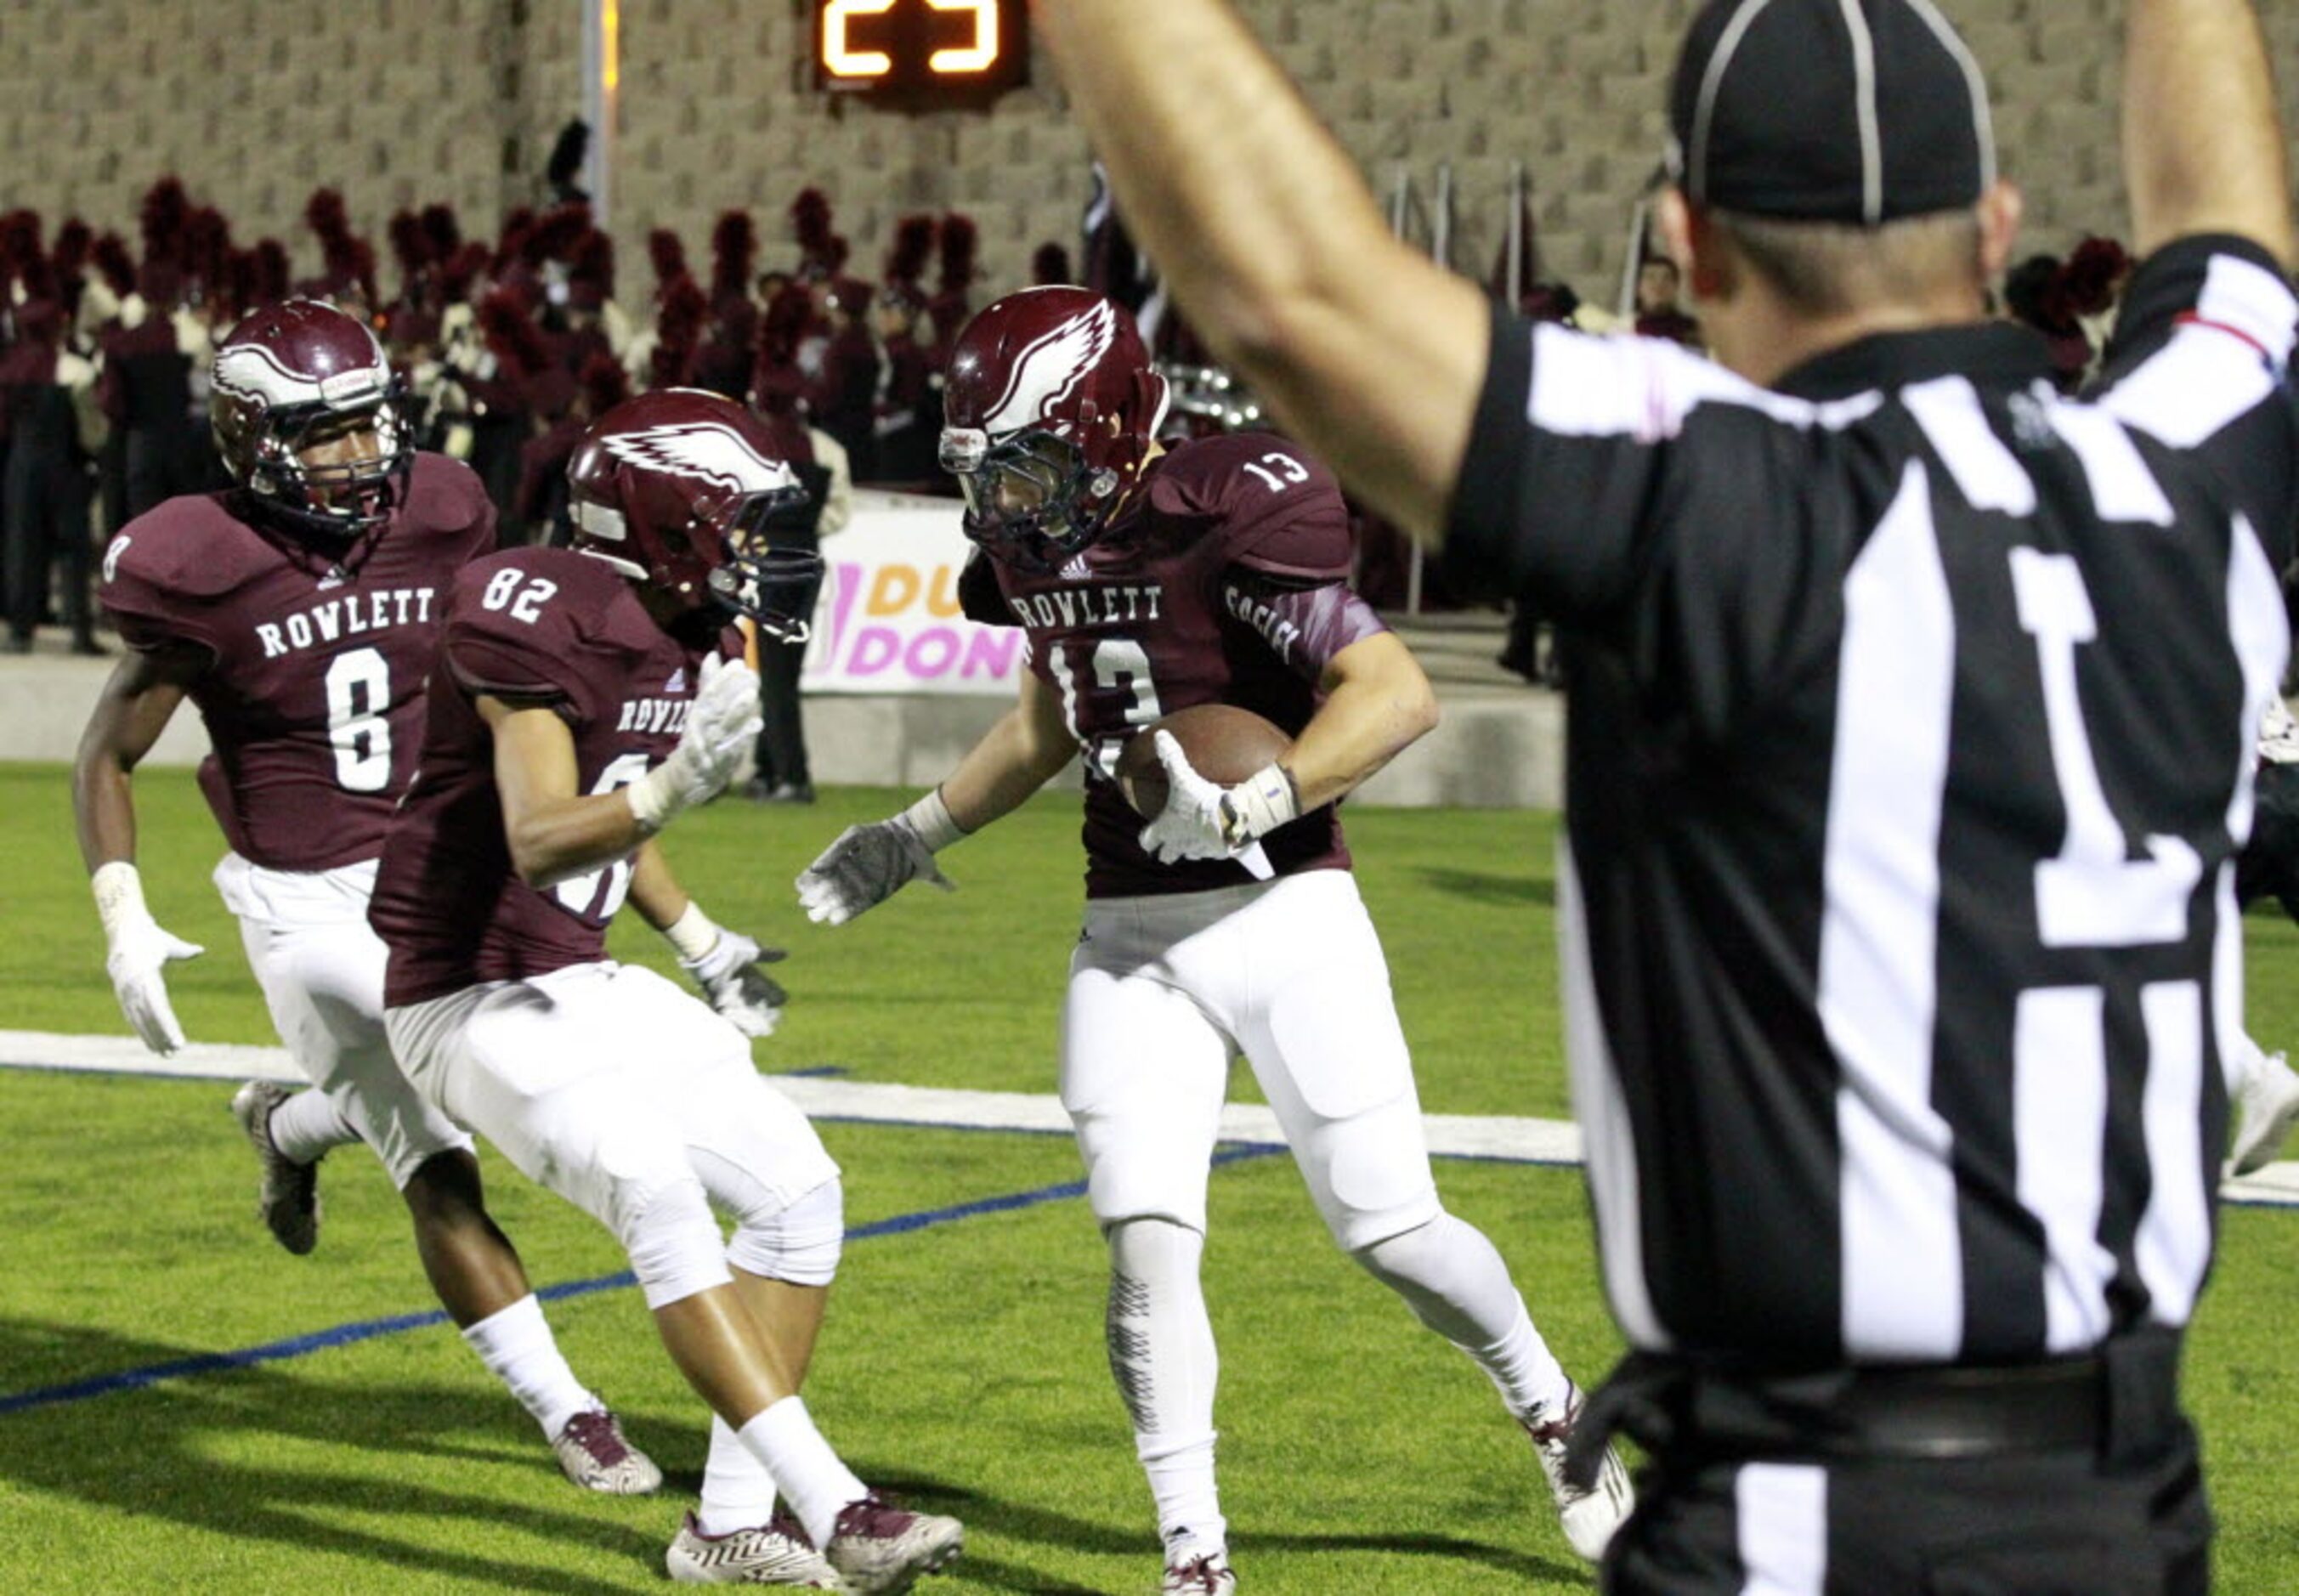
<point>979,599</point>
<point>1304,626</point>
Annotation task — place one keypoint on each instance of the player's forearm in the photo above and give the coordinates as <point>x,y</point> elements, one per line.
<point>103,809</point>
<point>1365,722</point>
<point>558,840</point>
<point>1265,230</point>
<point>655,891</point>
<point>134,708</point>
<point>998,773</point>
<point>2203,147</point>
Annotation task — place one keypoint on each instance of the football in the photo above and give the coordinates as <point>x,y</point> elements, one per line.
<point>1225,744</point>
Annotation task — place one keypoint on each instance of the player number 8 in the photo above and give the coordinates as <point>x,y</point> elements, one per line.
<point>358,703</point>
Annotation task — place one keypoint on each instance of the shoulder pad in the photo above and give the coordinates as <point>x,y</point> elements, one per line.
<point>528,623</point>
<point>189,548</point>
<point>446,497</point>
<point>1276,506</point>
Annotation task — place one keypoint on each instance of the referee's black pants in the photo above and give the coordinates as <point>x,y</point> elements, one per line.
<point>1914,1483</point>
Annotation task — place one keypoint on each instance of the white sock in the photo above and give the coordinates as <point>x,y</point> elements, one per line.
<point>516,1344</point>
<point>307,1125</point>
<point>1163,1358</point>
<point>796,1458</point>
<point>738,1493</point>
<point>1455,1281</point>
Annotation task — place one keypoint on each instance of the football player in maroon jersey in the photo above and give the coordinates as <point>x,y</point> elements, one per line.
<point>298,611</point>
<point>582,701</point>
<point>1150,580</point>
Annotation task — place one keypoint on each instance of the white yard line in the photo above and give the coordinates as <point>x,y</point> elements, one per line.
<point>1450,1135</point>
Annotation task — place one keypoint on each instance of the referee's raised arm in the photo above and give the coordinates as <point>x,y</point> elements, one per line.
<point>1266,233</point>
<point>2203,152</point>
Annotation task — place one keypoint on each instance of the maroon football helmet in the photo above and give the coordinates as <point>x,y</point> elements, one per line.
<point>1051,409</point>
<point>684,490</point>
<point>291,373</point>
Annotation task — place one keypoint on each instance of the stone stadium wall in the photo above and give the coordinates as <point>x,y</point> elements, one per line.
<point>403,101</point>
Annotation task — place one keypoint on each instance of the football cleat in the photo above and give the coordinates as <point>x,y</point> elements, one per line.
<point>776,1553</point>
<point>1207,1575</point>
<point>878,1546</point>
<point>1588,1517</point>
<point>2266,1105</point>
<point>287,1197</point>
<point>592,1453</point>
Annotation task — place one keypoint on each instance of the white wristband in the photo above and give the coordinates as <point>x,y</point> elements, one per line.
<point>693,934</point>
<point>1259,804</point>
<point>655,799</point>
<point>929,816</point>
<point>119,895</point>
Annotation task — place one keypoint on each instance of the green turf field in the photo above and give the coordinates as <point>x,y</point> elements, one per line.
<point>963,1364</point>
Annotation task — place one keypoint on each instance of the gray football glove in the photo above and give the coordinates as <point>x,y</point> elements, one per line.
<point>864,867</point>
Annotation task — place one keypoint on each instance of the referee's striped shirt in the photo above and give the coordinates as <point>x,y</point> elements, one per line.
<point>1912,716</point>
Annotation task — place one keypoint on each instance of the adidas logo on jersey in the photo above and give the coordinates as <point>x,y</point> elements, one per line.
<point>677,682</point>
<point>1074,569</point>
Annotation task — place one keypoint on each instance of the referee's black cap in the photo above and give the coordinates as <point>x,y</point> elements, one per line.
<point>1844,110</point>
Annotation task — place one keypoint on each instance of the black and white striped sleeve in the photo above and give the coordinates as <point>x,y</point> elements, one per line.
<point>2202,363</point>
<point>1568,461</point>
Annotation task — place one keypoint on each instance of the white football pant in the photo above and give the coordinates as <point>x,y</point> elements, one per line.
<point>1164,991</point>
<point>321,968</point>
<point>616,1089</point>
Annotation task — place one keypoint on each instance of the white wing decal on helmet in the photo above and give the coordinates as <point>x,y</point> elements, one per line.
<point>1050,369</point>
<point>252,372</point>
<point>703,450</point>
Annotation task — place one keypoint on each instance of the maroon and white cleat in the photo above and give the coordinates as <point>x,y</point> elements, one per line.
<point>593,1453</point>
<point>1206,1574</point>
<point>775,1553</point>
<point>1588,1518</point>
<point>876,1546</point>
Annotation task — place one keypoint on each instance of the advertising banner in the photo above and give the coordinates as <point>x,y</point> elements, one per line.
<point>889,620</point>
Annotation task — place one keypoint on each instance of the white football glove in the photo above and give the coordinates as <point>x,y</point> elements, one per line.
<point>870,864</point>
<point>138,953</point>
<point>730,977</point>
<point>722,722</point>
<point>1204,820</point>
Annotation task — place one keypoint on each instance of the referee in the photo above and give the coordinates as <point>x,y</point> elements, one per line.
<point>1912,717</point>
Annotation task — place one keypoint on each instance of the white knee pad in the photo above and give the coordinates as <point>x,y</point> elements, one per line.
<point>674,1242</point>
<point>799,1244</point>
<point>1450,1276</point>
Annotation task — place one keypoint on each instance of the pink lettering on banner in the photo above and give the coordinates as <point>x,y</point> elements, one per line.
<point>874,649</point>
<point>990,653</point>
<point>931,653</point>
<point>850,589</point>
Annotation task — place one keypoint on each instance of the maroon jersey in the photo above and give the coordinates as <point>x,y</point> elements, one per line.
<point>1170,610</point>
<point>538,627</point>
<point>313,691</point>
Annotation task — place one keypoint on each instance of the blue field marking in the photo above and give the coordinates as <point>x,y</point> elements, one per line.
<point>344,1335</point>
